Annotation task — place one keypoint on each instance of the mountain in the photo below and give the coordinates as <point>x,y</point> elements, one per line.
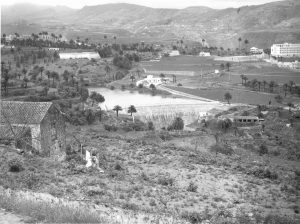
<point>262,25</point>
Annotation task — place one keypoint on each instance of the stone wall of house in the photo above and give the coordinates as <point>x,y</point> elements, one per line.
<point>46,135</point>
<point>36,136</point>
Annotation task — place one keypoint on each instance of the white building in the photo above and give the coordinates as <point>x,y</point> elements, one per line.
<point>174,53</point>
<point>150,80</point>
<point>204,54</point>
<point>53,49</point>
<point>81,55</point>
<point>255,50</point>
<point>285,50</point>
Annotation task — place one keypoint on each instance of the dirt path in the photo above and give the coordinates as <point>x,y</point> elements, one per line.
<point>10,218</point>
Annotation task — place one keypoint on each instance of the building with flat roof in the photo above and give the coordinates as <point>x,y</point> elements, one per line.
<point>255,50</point>
<point>285,50</point>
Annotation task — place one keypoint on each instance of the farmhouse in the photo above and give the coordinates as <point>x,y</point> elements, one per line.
<point>77,55</point>
<point>204,54</point>
<point>255,50</point>
<point>174,53</point>
<point>247,119</point>
<point>53,49</point>
<point>150,80</point>
<point>38,124</point>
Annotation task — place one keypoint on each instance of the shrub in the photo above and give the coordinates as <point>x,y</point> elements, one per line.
<point>110,127</point>
<point>112,87</point>
<point>150,126</point>
<point>179,84</point>
<point>223,149</point>
<point>192,187</point>
<point>15,165</point>
<point>178,124</point>
<point>192,217</point>
<point>166,181</point>
<point>263,149</point>
<point>278,98</point>
<point>263,173</point>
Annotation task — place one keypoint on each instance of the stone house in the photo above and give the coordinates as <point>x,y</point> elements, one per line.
<point>41,123</point>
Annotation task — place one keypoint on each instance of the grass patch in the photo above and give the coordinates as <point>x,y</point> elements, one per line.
<point>49,212</point>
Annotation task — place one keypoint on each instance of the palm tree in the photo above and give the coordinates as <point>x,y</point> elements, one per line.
<point>96,97</point>
<point>272,85</point>
<point>203,42</point>
<point>48,73</point>
<point>54,75</point>
<point>285,88</point>
<point>246,43</point>
<point>115,39</point>
<point>240,39</point>
<point>25,80</point>
<point>131,110</point>
<point>265,83</point>
<point>66,75</point>
<point>253,83</point>
<point>259,84</point>
<point>41,70</point>
<point>292,83</point>
<point>117,108</point>
<point>138,71</point>
<point>181,42</point>
<point>228,65</point>
<point>227,97</point>
<point>107,69</point>
<point>105,38</point>
<point>245,78</point>
<point>174,78</point>
<point>242,77</point>
<point>132,78</point>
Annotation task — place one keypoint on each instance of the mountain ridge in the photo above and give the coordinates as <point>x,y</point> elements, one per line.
<point>220,27</point>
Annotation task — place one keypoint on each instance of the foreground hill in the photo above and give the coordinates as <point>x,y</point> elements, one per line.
<point>262,25</point>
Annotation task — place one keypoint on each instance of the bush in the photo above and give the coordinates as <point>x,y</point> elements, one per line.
<point>263,173</point>
<point>223,149</point>
<point>278,98</point>
<point>192,187</point>
<point>166,181</point>
<point>178,124</point>
<point>110,127</point>
<point>15,165</point>
<point>263,149</point>
<point>192,217</point>
<point>150,126</point>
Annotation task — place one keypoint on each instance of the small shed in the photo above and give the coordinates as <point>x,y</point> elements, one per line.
<point>41,121</point>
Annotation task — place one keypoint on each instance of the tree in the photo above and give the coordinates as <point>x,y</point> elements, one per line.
<point>5,79</point>
<point>131,110</point>
<point>242,77</point>
<point>107,69</point>
<point>272,85</point>
<point>222,66</point>
<point>265,83</point>
<point>152,86</point>
<point>115,39</point>
<point>162,75</point>
<point>48,73</point>
<point>132,78</point>
<point>41,70</point>
<point>228,65</point>
<point>84,94</point>
<point>96,97</point>
<point>246,43</point>
<point>285,88</point>
<point>66,75</point>
<point>259,84</point>
<point>227,97</point>
<point>25,80</point>
<point>117,108</point>
<point>54,75</point>
<point>292,83</point>
<point>178,124</point>
<point>240,39</point>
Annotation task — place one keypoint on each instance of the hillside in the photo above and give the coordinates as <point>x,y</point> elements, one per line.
<point>262,25</point>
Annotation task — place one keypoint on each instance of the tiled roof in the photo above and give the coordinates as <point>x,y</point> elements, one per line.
<point>17,112</point>
<point>9,132</point>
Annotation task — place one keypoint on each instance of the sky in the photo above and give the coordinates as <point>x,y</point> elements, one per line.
<point>217,4</point>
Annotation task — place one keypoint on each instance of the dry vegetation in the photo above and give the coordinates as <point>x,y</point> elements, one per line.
<point>173,173</point>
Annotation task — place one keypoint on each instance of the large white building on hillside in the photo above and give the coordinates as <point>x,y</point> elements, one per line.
<point>79,55</point>
<point>285,50</point>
